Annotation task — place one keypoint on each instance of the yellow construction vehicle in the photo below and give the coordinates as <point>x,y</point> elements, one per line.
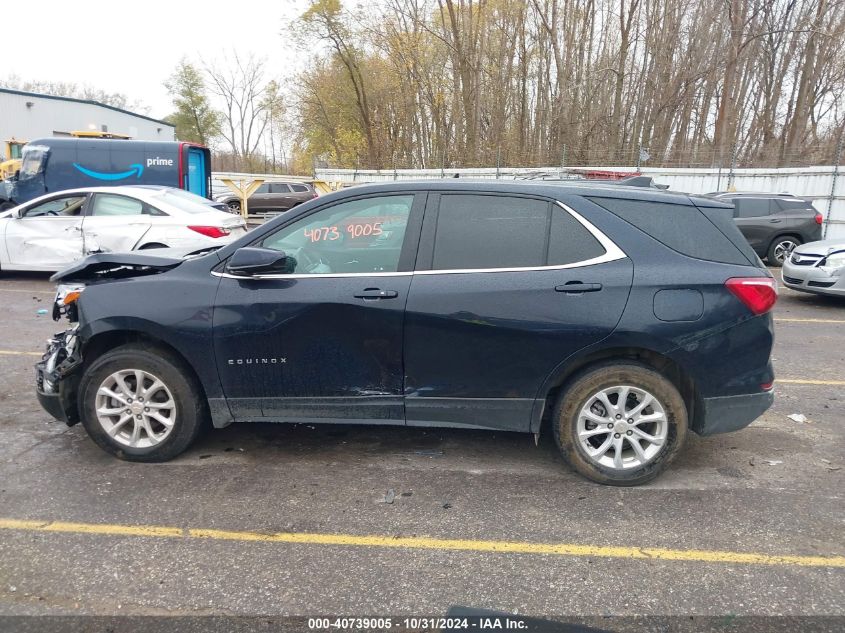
<point>11,162</point>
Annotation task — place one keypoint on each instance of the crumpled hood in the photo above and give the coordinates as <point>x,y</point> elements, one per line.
<point>122,265</point>
<point>822,247</point>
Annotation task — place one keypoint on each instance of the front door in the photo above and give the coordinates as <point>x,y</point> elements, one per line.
<point>507,288</point>
<point>323,342</point>
<point>48,235</point>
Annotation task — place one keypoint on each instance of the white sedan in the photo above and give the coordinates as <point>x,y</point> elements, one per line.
<point>55,230</point>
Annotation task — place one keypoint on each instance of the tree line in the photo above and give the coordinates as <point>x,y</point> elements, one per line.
<point>426,83</point>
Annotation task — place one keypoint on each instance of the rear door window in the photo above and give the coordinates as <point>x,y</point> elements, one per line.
<point>487,231</point>
<point>106,204</point>
<point>278,187</point>
<point>753,207</point>
<point>483,232</point>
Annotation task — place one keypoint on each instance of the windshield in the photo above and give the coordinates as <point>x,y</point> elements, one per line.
<point>183,200</point>
<point>34,157</point>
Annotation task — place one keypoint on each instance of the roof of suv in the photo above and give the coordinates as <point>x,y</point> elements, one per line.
<point>550,189</point>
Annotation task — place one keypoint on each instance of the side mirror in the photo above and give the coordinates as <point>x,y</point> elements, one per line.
<point>251,260</point>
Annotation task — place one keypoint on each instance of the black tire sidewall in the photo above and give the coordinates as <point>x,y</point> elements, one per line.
<point>189,406</point>
<point>589,382</point>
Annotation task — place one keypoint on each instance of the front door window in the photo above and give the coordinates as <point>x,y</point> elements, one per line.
<point>361,236</point>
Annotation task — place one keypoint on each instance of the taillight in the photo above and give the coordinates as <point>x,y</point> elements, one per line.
<point>211,231</point>
<point>819,218</point>
<point>757,293</point>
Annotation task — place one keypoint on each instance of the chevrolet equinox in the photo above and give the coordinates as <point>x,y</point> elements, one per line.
<point>620,317</point>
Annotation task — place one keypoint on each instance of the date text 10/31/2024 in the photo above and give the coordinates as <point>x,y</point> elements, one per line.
<point>473,623</point>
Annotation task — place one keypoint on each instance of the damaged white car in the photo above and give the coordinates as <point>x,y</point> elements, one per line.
<point>817,267</point>
<point>55,230</point>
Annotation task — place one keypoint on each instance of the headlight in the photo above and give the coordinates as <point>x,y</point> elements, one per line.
<point>65,303</point>
<point>68,293</point>
<point>835,262</point>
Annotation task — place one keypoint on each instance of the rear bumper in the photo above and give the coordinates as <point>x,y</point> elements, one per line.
<point>731,413</point>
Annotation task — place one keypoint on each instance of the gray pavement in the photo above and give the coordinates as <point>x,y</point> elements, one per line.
<point>775,488</point>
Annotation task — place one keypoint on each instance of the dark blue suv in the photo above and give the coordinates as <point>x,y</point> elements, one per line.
<point>619,316</point>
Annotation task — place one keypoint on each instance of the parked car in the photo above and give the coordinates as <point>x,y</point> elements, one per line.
<point>774,224</point>
<point>817,267</point>
<point>271,197</point>
<point>56,230</point>
<point>623,317</point>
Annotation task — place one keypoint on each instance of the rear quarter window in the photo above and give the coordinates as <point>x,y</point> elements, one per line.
<point>680,227</point>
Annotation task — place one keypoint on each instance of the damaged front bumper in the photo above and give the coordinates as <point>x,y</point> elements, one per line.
<point>56,379</point>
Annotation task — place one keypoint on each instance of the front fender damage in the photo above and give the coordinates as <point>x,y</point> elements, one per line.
<point>57,378</point>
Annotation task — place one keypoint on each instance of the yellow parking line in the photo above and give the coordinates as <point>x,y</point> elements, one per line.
<point>418,542</point>
<point>795,320</point>
<point>25,291</point>
<point>798,381</point>
<point>11,352</point>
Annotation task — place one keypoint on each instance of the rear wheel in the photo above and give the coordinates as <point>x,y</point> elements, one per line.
<point>620,423</point>
<point>140,404</point>
<point>781,249</point>
<point>234,206</point>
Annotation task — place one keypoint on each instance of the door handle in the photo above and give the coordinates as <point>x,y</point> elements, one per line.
<point>370,294</point>
<point>774,220</point>
<point>577,287</point>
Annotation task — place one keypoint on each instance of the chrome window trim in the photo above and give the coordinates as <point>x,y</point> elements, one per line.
<point>612,253</point>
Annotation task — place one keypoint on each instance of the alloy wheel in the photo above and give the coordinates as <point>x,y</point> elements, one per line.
<point>622,427</point>
<point>784,249</point>
<point>135,408</point>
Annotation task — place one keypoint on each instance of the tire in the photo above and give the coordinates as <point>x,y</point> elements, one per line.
<point>145,247</point>
<point>187,417</point>
<point>781,248</point>
<point>234,206</point>
<point>642,380</point>
<point>5,206</point>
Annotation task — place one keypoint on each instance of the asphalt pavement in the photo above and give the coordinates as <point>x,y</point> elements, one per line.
<point>261,519</point>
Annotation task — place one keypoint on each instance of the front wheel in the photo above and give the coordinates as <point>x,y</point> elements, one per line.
<point>234,206</point>
<point>781,249</point>
<point>620,423</point>
<point>140,403</point>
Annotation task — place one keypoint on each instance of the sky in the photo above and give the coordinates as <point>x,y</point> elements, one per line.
<point>132,47</point>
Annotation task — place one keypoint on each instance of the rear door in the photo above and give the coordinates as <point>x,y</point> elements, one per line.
<point>281,196</point>
<point>114,223</point>
<point>759,220</point>
<point>261,199</point>
<point>506,288</point>
<point>197,177</point>
<point>48,235</point>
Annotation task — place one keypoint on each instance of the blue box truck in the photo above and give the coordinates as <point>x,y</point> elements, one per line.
<point>57,164</point>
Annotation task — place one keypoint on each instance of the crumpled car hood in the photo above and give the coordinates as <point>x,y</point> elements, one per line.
<point>122,265</point>
<point>821,247</point>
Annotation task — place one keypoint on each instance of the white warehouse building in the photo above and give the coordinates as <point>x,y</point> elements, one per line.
<point>25,116</point>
